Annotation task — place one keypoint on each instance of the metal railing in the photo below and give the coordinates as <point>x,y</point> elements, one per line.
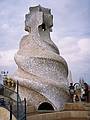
<point>10,100</point>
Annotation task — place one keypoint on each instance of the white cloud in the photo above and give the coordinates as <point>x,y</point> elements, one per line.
<point>84,45</point>
<point>5,26</point>
<point>7,57</point>
<point>74,49</point>
<point>77,54</point>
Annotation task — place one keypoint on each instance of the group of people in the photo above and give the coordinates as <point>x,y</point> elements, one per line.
<point>79,92</point>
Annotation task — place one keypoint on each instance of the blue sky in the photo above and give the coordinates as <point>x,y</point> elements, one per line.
<point>71,32</point>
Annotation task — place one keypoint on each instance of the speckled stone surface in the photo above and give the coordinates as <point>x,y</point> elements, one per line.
<point>42,73</point>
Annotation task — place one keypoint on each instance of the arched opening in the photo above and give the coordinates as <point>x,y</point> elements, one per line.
<point>45,106</point>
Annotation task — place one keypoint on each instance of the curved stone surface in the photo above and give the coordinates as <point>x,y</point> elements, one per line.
<point>5,114</point>
<point>42,72</point>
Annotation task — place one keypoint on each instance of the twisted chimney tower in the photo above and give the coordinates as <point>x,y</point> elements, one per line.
<point>42,73</point>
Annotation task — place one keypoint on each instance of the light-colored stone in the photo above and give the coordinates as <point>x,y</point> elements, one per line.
<point>64,115</point>
<point>30,109</point>
<point>71,111</point>
<point>42,73</point>
<point>74,106</point>
<point>5,114</point>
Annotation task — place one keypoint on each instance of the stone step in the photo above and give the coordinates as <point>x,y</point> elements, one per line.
<point>74,106</point>
<point>30,109</point>
<point>64,115</point>
<point>31,114</point>
<point>76,112</point>
<point>88,118</point>
<point>39,112</point>
<point>88,113</point>
<point>87,108</point>
<point>86,104</point>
